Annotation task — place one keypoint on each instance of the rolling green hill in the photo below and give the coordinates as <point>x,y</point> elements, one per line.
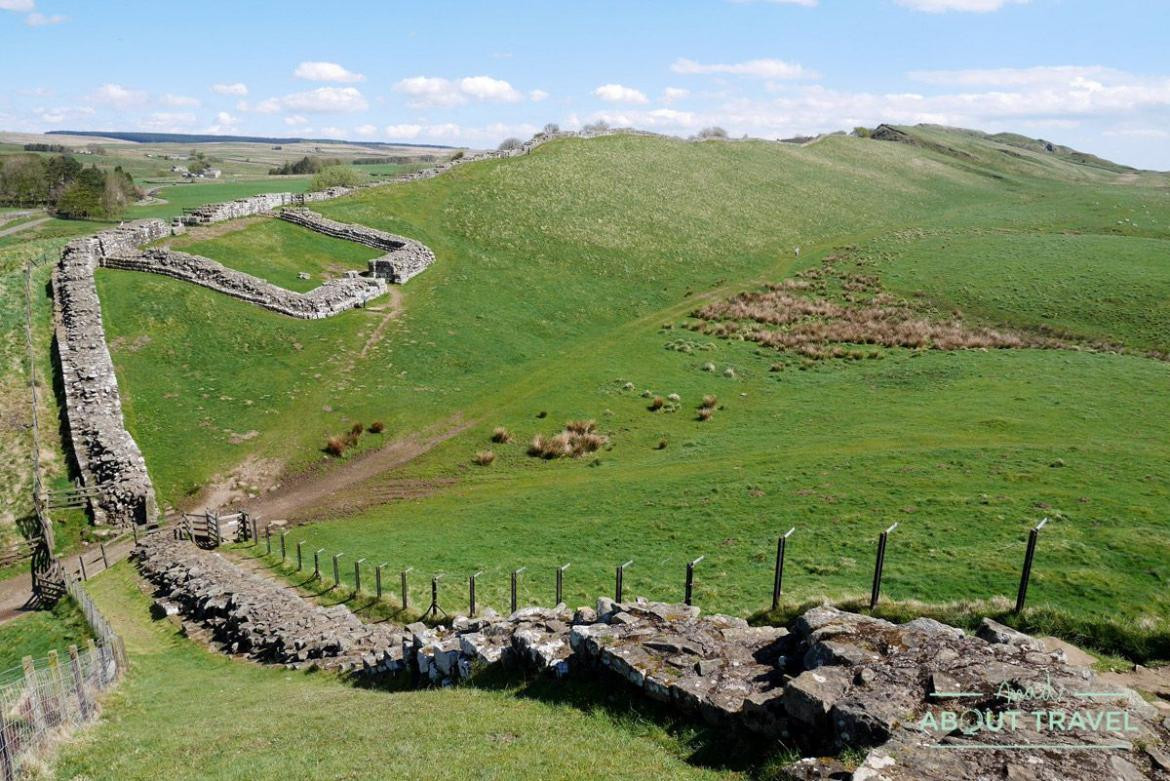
<point>565,275</point>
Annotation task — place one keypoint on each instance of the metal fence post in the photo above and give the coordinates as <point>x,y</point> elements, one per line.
<point>561,583</point>
<point>434,609</point>
<point>471,593</point>
<point>878,565</point>
<point>317,563</point>
<point>1026,575</point>
<point>778,578</point>
<point>619,578</point>
<point>690,584</point>
<point>515,579</point>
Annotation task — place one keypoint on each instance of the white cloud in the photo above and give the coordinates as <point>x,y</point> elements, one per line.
<point>537,95</point>
<point>168,121</point>
<point>366,131</point>
<point>761,68</point>
<point>671,94</point>
<point>224,123</point>
<point>487,88</point>
<point>242,105</point>
<point>438,92</point>
<point>238,88</point>
<point>430,91</point>
<point>17,5</point>
<point>296,120</point>
<point>179,101</point>
<point>118,96</point>
<point>942,6</point>
<point>1016,77</point>
<point>333,131</point>
<point>37,19</point>
<point>1138,132</point>
<point>326,71</point>
<point>322,100</point>
<point>55,116</point>
<point>403,131</point>
<point>618,93</point>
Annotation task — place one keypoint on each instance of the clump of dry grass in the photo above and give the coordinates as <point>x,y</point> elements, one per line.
<point>656,403</point>
<point>356,429</point>
<point>501,435</point>
<point>710,400</point>
<point>377,427</point>
<point>336,446</point>
<point>578,438</point>
<point>662,443</point>
<point>484,457</point>
<point>706,413</point>
<point>828,307</point>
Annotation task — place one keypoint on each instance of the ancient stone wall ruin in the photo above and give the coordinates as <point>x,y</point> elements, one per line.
<point>328,299</point>
<point>106,454</point>
<point>404,258</point>
<point>828,682</point>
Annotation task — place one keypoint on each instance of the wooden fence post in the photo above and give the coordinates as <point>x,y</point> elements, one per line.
<point>58,686</point>
<point>283,551</point>
<point>357,576</point>
<point>267,539</point>
<point>378,580</point>
<point>878,565</point>
<point>561,583</point>
<point>619,581</point>
<point>336,570</point>
<point>405,593</point>
<point>1026,575</point>
<point>105,561</point>
<point>81,561</point>
<point>79,683</point>
<point>690,583</point>
<point>778,578</point>
<point>34,693</point>
<point>515,580</point>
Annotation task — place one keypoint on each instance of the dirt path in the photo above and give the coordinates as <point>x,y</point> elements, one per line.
<point>393,310</point>
<point>23,226</point>
<point>300,495</point>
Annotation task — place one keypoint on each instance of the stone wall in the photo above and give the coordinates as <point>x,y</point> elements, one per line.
<point>256,204</point>
<point>331,298</point>
<point>828,682</point>
<point>404,258</point>
<point>106,453</point>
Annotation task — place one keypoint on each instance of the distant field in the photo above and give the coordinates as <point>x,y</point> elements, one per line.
<point>293,724</point>
<point>188,196</point>
<point>556,275</point>
<point>278,251</point>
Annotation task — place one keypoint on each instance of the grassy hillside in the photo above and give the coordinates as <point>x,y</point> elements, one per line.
<point>232,720</point>
<point>556,276</point>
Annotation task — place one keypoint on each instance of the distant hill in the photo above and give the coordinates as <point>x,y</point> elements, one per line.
<point>203,138</point>
<point>945,140</point>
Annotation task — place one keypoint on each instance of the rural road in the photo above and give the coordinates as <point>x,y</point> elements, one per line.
<point>23,226</point>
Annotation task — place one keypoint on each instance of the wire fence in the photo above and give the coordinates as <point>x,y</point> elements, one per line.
<point>44,699</point>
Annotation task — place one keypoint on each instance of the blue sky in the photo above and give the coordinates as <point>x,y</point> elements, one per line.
<point>1095,75</point>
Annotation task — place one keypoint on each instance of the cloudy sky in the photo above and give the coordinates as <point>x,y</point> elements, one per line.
<point>1094,74</point>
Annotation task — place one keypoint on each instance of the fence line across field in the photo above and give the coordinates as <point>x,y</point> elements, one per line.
<point>248,530</point>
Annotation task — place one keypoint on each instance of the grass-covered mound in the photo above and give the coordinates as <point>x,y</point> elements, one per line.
<point>556,275</point>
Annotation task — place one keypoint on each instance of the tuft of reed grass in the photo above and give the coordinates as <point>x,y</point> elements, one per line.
<point>501,435</point>
<point>484,457</point>
<point>336,446</point>
<point>377,427</point>
<point>656,403</point>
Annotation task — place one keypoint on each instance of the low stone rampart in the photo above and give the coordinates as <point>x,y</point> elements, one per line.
<point>326,300</point>
<point>830,681</point>
<point>404,258</point>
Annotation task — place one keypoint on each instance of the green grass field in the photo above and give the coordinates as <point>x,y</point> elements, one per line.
<point>189,196</point>
<point>36,633</point>
<point>278,251</point>
<point>235,720</point>
<point>556,275</point>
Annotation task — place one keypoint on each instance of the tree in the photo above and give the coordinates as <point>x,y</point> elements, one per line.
<point>862,132</point>
<point>336,176</point>
<point>84,197</point>
<point>24,180</point>
<point>712,132</point>
<point>510,143</point>
<point>198,166</point>
<point>551,128</point>
<point>600,126</point>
